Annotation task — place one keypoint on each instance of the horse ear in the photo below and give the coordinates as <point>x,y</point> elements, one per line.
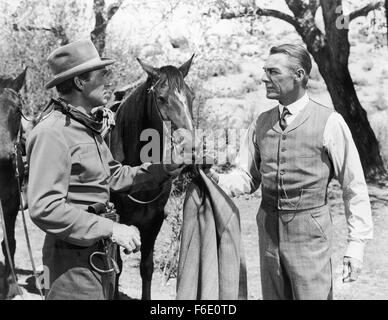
<point>151,71</point>
<point>184,68</point>
<point>19,81</point>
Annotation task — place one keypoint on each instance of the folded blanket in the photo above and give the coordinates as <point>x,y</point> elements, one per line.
<point>211,262</point>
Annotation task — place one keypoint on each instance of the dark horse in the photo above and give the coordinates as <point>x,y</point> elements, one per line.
<point>10,119</point>
<point>164,95</point>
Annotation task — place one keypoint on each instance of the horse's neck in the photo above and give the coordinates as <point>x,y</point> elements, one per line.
<point>132,119</point>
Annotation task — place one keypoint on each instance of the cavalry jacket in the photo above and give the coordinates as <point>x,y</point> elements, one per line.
<point>71,167</point>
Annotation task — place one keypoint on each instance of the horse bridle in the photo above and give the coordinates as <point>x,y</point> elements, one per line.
<point>169,136</point>
<point>151,91</point>
<point>20,106</point>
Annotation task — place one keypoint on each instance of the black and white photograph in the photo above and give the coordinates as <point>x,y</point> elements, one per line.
<point>193,150</point>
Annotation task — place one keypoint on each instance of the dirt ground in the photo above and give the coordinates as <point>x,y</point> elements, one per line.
<point>372,284</point>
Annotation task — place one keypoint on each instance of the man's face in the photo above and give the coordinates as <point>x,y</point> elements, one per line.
<point>96,88</point>
<point>279,77</point>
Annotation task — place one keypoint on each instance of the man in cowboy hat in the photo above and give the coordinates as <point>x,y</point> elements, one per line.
<point>293,151</point>
<point>71,169</point>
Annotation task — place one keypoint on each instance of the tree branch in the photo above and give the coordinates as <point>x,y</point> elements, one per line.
<point>365,10</point>
<point>314,5</point>
<point>247,12</point>
<point>16,27</point>
<point>58,31</point>
<point>277,14</point>
<point>98,34</point>
<point>113,9</point>
<point>300,7</point>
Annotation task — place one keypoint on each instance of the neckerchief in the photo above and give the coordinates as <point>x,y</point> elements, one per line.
<point>106,116</point>
<point>94,124</point>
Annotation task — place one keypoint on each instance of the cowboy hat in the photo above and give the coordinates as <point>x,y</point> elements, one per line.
<point>74,59</point>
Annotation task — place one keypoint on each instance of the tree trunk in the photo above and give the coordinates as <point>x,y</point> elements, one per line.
<point>333,62</point>
<point>98,34</point>
<point>340,86</point>
<point>386,16</point>
<point>330,50</point>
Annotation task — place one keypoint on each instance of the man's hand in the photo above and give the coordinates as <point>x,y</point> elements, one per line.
<point>181,152</point>
<point>352,269</point>
<point>127,237</point>
<point>184,147</point>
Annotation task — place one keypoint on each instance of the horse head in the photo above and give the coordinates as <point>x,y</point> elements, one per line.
<point>10,113</point>
<point>170,94</point>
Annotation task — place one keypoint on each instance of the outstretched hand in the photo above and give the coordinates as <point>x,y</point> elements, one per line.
<point>188,150</point>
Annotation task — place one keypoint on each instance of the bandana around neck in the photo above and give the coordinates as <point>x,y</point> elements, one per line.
<point>94,124</point>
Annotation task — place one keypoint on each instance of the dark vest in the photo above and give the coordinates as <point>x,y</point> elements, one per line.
<point>294,166</point>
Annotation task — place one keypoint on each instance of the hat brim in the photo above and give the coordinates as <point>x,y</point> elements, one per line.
<point>90,65</point>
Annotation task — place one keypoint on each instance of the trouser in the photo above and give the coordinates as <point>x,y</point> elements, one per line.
<point>69,276</point>
<point>295,253</point>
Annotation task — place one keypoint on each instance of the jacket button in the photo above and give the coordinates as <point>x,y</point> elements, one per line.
<point>284,137</point>
<point>282,160</point>
<point>282,172</point>
<point>284,149</point>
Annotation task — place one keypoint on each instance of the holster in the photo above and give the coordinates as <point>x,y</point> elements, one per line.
<point>108,250</point>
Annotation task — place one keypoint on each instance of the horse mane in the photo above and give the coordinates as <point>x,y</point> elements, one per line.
<point>174,77</point>
<point>5,82</point>
<point>136,97</point>
<point>129,118</point>
<point>124,92</point>
<point>9,117</point>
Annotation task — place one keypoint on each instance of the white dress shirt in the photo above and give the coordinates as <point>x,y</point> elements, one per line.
<point>339,144</point>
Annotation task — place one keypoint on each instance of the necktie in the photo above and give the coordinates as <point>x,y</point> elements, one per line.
<point>282,121</point>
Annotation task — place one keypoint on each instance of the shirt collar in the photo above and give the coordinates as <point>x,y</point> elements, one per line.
<point>296,106</point>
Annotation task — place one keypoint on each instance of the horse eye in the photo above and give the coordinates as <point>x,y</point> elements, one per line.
<point>162,99</point>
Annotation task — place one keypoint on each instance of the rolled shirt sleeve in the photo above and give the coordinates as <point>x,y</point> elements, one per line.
<point>49,174</point>
<point>246,177</point>
<point>341,148</point>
